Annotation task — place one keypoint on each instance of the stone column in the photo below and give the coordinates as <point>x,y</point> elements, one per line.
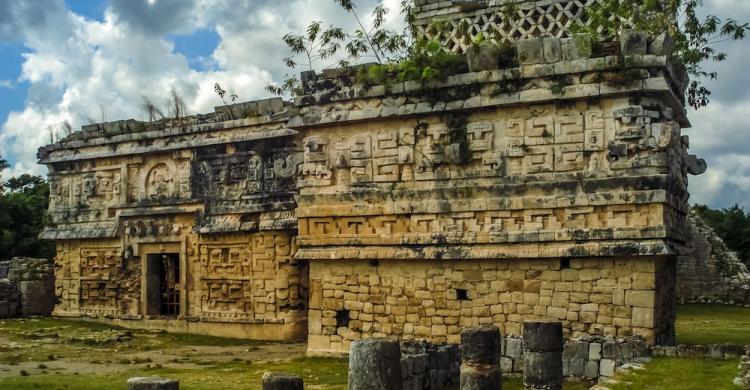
<point>542,355</point>
<point>282,381</point>
<point>375,364</point>
<point>153,383</point>
<point>480,359</point>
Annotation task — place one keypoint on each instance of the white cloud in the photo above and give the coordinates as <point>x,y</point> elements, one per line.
<point>82,69</point>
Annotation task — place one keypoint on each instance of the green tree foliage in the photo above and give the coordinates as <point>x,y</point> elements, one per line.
<point>370,42</point>
<point>23,213</point>
<point>732,225</point>
<point>695,38</point>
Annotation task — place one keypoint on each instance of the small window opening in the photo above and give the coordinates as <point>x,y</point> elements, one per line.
<point>342,318</point>
<point>462,294</point>
<point>565,263</point>
<point>373,262</point>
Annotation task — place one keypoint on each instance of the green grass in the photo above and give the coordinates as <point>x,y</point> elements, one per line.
<point>318,373</point>
<point>696,324</point>
<point>712,324</point>
<point>680,374</point>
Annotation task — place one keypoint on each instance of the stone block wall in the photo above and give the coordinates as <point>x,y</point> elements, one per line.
<point>29,288</point>
<point>426,366</point>
<point>10,299</point>
<point>4,268</point>
<point>245,281</point>
<point>433,300</point>
<point>708,271</point>
<point>587,357</point>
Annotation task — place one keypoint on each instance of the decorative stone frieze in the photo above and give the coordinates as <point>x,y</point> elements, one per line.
<point>555,188</point>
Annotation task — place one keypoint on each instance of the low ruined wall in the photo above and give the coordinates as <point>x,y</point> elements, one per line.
<point>9,299</point>
<point>27,287</point>
<point>709,271</point>
<point>743,377</point>
<point>587,357</point>
<point>426,366</point>
<point>711,351</point>
<point>434,300</point>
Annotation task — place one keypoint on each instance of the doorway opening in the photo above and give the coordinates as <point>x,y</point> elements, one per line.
<point>163,284</point>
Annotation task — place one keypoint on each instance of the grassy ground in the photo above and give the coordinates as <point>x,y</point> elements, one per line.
<point>65,354</point>
<point>712,324</point>
<point>681,374</point>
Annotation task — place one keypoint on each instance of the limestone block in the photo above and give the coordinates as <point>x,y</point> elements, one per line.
<point>643,317</point>
<point>552,50</point>
<point>513,348</point>
<point>578,47</point>
<point>633,42</point>
<point>595,351</point>
<point>591,370</point>
<point>607,367</point>
<point>530,51</point>
<point>152,383</point>
<point>643,299</point>
<point>37,297</point>
<point>282,381</point>
<point>485,57</point>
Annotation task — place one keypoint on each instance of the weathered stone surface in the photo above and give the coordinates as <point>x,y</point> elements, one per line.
<point>478,378</point>
<point>37,297</point>
<point>543,336</point>
<point>480,358</point>
<point>407,211</point>
<point>531,51</point>
<point>607,367</point>
<point>484,57</point>
<point>481,345</point>
<point>152,383</point>
<point>543,370</point>
<point>375,364</point>
<point>10,299</point>
<point>577,47</point>
<point>633,42</point>
<point>282,381</point>
<point>543,355</point>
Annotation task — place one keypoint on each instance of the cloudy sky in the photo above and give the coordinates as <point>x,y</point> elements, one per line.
<point>82,60</point>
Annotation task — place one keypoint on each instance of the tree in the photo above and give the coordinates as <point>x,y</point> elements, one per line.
<point>695,38</point>
<point>23,214</point>
<point>732,225</point>
<point>367,41</point>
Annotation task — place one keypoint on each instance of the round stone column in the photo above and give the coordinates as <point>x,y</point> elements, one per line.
<point>282,381</point>
<point>480,359</point>
<point>542,355</point>
<point>375,364</point>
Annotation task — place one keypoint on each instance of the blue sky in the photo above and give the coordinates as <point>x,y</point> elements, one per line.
<point>90,60</point>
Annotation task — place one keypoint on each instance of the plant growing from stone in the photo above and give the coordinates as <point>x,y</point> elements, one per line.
<point>311,47</point>
<point>368,42</point>
<point>695,38</point>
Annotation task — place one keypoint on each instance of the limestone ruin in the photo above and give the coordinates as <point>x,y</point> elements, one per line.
<point>550,187</point>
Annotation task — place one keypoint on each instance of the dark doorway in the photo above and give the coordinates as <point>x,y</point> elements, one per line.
<point>163,284</point>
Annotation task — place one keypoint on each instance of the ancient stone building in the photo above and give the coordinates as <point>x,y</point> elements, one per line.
<point>550,185</point>
<point>708,271</point>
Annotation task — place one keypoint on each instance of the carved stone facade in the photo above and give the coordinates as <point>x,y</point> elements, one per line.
<point>552,188</point>
<point>184,225</point>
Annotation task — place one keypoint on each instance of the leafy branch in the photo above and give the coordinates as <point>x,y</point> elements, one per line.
<point>695,38</point>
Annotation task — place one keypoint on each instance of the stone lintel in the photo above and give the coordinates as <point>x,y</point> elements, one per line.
<point>489,252</point>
